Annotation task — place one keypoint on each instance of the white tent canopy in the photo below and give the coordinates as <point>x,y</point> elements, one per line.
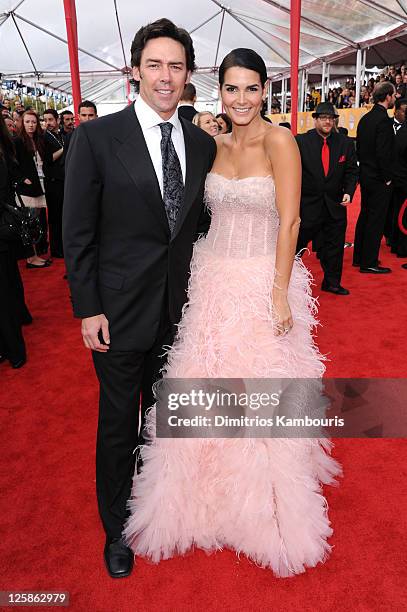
<point>33,37</point>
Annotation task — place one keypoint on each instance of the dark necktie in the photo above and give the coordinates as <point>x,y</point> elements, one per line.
<point>325,157</point>
<point>173,185</point>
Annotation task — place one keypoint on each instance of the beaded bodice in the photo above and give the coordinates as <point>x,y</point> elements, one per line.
<point>244,216</point>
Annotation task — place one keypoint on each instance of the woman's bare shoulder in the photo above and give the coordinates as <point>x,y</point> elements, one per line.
<point>277,135</point>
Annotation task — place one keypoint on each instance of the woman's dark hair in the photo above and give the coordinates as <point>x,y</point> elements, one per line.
<point>243,58</point>
<point>38,136</point>
<point>227,120</point>
<point>7,149</point>
<point>162,28</point>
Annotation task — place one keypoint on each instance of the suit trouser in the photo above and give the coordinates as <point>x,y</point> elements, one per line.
<point>123,378</point>
<point>370,225</point>
<point>11,338</point>
<point>54,192</point>
<point>330,235</point>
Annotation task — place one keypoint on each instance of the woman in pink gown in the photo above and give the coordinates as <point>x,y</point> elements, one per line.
<point>250,314</point>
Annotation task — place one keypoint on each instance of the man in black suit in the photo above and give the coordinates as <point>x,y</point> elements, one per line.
<point>54,171</point>
<point>374,146</point>
<point>132,211</point>
<point>186,109</point>
<point>329,179</point>
<point>399,238</point>
<point>399,118</point>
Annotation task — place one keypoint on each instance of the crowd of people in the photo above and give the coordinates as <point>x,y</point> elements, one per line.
<point>32,155</point>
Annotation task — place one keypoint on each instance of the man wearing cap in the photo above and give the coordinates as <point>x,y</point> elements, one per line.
<point>329,179</point>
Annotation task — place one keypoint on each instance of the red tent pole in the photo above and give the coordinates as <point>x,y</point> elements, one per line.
<point>72,35</point>
<point>295,20</point>
<point>128,91</point>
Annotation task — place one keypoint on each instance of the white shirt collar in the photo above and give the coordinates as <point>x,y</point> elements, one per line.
<point>148,118</point>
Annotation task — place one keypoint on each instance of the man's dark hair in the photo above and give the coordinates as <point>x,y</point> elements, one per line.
<point>51,111</point>
<point>65,112</point>
<point>399,103</point>
<point>87,104</point>
<point>243,58</point>
<point>162,28</point>
<point>382,90</point>
<point>189,93</point>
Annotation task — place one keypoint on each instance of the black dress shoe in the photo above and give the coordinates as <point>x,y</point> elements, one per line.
<point>18,364</point>
<point>375,270</point>
<point>2,358</point>
<point>339,290</point>
<point>404,266</point>
<point>119,558</point>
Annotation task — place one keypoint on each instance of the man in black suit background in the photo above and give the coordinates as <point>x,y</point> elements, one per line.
<point>329,179</point>
<point>133,208</point>
<point>398,239</point>
<point>186,109</point>
<point>399,119</point>
<point>374,146</point>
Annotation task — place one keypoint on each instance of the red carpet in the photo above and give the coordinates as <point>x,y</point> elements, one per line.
<point>50,535</point>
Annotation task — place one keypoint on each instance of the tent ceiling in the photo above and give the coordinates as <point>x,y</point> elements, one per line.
<point>33,35</point>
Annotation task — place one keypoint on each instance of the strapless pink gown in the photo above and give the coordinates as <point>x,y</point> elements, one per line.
<point>261,497</point>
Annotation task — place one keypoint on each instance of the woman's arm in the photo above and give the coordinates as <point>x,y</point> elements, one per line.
<point>285,161</point>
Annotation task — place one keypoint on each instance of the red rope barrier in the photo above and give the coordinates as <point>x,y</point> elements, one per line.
<point>400,218</point>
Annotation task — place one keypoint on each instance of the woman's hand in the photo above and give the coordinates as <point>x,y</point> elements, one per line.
<point>27,182</point>
<point>282,313</point>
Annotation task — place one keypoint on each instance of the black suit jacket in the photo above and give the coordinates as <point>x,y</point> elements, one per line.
<point>374,146</point>
<point>187,112</point>
<point>318,190</point>
<point>400,160</point>
<point>119,253</point>
<point>28,169</point>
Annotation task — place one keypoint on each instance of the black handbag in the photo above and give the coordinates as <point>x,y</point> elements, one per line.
<point>20,223</point>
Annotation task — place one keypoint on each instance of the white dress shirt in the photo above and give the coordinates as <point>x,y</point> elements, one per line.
<point>396,125</point>
<point>149,121</point>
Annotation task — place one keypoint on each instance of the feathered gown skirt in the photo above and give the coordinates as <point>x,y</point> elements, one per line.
<point>261,497</point>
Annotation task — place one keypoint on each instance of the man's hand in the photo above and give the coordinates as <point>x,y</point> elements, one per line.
<point>90,330</point>
<point>345,199</point>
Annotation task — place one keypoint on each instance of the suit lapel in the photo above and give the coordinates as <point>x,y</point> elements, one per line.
<point>334,150</point>
<point>135,157</point>
<point>193,174</point>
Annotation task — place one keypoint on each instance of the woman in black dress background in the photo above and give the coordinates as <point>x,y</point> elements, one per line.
<point>13,311</point>
<point>33,150</point>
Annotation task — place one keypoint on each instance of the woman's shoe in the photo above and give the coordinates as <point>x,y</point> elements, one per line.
<point>2,358</point>
<point>31,266</point>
